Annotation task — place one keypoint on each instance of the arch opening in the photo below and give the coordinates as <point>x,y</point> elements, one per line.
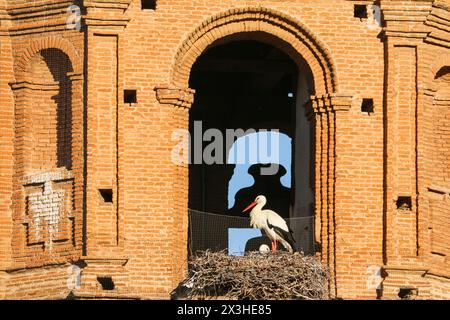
<point>50,110</point>
<point>264,25</point>
<point>45,125</point>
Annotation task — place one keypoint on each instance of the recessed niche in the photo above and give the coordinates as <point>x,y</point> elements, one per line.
<point>106,195</point>
<point>130,96</point>
<point>148,4</point>
<point>360,11</point>
<point>367,105</point>
<point>404,203</point>
<point>106,282</point>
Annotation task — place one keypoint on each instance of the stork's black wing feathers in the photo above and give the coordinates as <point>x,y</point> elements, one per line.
<point>284,234</point>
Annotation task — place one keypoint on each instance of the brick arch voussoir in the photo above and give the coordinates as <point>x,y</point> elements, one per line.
<point>257,19</point>
<point>47,43</point>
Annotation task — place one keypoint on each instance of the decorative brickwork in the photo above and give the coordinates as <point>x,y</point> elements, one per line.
<point>289,34</point>
<point>48,213</point>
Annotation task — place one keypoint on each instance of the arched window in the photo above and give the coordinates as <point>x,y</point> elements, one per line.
<point>48,112</point>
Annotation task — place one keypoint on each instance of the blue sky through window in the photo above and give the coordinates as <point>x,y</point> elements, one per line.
<point>258,148</point>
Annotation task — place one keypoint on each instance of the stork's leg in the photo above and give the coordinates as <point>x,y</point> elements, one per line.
<point>273,246</point>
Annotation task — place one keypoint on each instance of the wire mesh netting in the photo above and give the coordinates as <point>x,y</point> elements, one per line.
<point>209,231</point>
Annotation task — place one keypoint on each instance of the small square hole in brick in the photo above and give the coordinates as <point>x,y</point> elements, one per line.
<point>148,4</point>
<point>107,283</point>
<point>367,105</point>
<point>130,96</point>
<point>107,195</point>
<point>404,203</point>
<point>360,11</point>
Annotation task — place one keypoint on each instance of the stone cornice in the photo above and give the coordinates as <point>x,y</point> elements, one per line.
<point>27,11</point>
<point>330,103</point>
<point>438,21</point>
<point>422,20</point>
<point>416,268</point>
<point>26,19</point>
<point>108,4</point>
<point>73,76</point>
<point>402,11</point>
<point>437,39</point>
<point>442,100</point>
<point>102,261</point>
<point>175,96</point>
<point>3,14</point>
<point>48,86</point>
<point>35,86</point>
<point>406,34</point>
<point>60,174</point>
<point>431,92</point>
<point>106,14</point>
<point>22,18</point>
<point>439,189</point>
<point>406,19</point>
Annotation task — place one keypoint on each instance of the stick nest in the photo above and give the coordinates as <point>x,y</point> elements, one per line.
<point>256,276</point>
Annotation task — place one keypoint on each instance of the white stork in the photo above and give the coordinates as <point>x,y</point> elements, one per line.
<point>271,223</point>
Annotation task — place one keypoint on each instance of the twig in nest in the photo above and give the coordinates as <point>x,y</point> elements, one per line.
<point>256,276</point>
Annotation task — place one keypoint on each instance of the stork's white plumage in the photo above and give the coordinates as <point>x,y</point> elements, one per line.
<point>271,223</point>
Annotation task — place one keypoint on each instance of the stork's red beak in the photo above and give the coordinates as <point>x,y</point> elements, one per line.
<point>250,206</point>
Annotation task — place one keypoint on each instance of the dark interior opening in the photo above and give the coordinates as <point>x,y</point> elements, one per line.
<point>60,66</point>
<point>130,96</point>
<point>443,72</point>
<point>404,203</point>
<point>148,4</point>
<point>407,293</point>
<point>241,85</point>
<point>244,84</point>
<point>107,195</point>
<point>360,11</point>
<point>367,105</point>
<point>106,282</point>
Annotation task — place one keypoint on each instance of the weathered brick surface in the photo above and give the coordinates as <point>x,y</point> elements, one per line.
<point>66,134</point>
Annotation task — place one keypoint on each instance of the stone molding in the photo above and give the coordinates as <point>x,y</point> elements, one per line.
<point>175,96</point>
